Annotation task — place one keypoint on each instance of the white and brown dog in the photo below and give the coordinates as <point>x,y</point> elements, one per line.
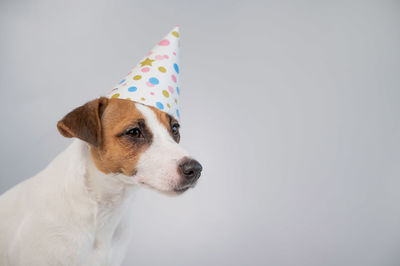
<point>76,211</point>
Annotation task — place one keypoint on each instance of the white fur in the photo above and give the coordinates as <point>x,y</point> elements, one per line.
<point>157,166</point>
<point>73,214</point>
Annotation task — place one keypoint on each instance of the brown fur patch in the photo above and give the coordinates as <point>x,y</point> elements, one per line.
<point>84,122</point>
<point>120,152</point>
<point>103,124</point>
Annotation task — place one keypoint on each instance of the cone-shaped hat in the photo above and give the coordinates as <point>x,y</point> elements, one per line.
<point>154,81</point>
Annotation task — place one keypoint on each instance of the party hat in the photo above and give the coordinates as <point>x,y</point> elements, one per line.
<point>154,81</point>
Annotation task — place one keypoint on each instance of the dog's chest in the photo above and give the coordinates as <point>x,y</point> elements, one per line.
<point>110,241</point>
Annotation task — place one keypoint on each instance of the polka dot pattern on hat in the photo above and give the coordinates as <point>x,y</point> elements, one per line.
<point>154,80</point>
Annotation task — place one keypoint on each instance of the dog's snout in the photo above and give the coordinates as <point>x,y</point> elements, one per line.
<point>190,169</point>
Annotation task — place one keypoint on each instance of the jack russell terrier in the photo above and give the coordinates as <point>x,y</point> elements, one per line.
<point>77,210</point>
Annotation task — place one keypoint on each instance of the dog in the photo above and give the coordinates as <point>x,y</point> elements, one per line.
<point>77,210</point>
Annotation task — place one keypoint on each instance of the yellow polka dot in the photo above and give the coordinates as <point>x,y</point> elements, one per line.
<point>176,101</point>
<point>169,106</point>
<point>128,98</point>
<point>143,99</point>
<point>162,69</point>
<point>165,93</point>
<point>176,34</point>
<point>137,77</point>
<point>115,95</point>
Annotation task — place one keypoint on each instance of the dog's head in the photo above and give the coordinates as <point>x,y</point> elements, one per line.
<point>135,140</point>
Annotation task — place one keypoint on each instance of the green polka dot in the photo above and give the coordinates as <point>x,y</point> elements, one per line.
<point>143,99</point>
<point>115,95</point>
<point>169,106</point>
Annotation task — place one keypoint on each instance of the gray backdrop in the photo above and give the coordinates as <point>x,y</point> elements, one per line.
<point>293,108</point>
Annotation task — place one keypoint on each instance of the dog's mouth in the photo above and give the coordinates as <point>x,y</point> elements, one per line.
<point>174,191</point>
<point>181,189</point>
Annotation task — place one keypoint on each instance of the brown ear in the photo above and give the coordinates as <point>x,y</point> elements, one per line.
<point>84,122</point>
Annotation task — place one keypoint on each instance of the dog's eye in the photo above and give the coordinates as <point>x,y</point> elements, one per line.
<point>134,132</point>
<point>175,129</point>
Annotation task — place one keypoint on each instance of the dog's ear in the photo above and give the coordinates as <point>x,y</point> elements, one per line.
<point>84,122</point>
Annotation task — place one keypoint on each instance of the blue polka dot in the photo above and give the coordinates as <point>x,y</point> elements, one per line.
<point>132,89</point>
<point>159,105</point>
<point>176,68</point>
<point>122,81</point>
<point>177,90</point>
<point>177,113</point>
<point>154,81</point>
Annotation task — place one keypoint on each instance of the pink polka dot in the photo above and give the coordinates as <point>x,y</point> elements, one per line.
<point>152,93</point>
<point>112,90</point>
<point>166,56</point>
<point>129,73</point>
<point>150,53</point>
<point>124,84</point>
<point>145,69</point>
<point>149,84</point>
<point>171,90</point>
<point>173,78</point>
<point>159,57</point>
<point>164,42</point>
<point>174,53</point>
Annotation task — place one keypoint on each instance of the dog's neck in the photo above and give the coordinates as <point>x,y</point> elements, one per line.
<point>106,197</point>
<point>110,191</point>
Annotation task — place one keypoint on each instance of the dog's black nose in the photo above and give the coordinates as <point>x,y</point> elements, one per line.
<point>190,169</point>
